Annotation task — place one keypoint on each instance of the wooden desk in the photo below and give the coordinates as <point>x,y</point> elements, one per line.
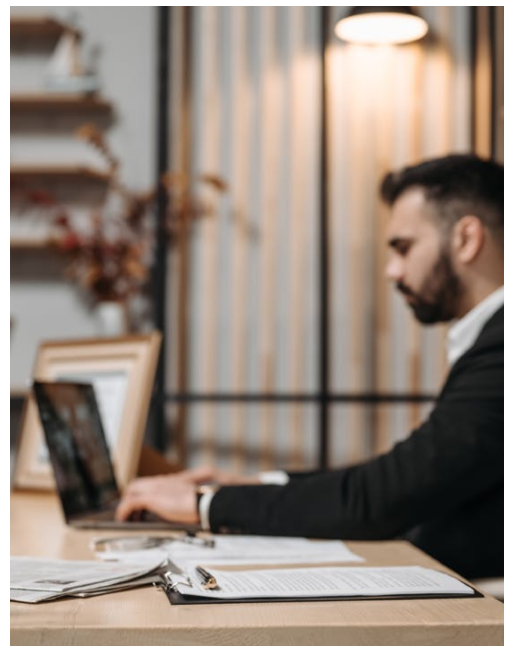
<point>144,616</point>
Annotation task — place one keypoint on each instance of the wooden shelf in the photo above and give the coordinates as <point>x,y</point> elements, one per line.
<point>69,173</point>
<point>27,103</point>
<point>18,392</point>
<point>31,244</point>
<point>40,27</point>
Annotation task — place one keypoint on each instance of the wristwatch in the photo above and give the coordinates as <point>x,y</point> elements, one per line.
<point>202,490</point>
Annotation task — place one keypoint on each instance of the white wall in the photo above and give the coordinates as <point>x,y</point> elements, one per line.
<point>121,41</point>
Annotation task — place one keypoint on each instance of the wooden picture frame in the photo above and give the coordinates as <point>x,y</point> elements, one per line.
<point>122,371</point>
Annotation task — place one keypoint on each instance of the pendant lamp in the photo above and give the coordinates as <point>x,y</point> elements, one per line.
<point>381,25</point>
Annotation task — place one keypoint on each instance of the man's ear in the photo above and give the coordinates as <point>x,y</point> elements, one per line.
<point>468,238</point>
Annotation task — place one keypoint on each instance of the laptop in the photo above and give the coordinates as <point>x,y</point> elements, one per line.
<point>82,466</point>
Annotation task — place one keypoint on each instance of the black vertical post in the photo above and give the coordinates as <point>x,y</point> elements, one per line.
<point>324,331</point>
<point>160,262</point>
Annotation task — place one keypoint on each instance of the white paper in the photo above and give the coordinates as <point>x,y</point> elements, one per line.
<point>59,576</point>
<point>32,596</point>
<point>36,596</point>
<point>245,549</point>
<point>325,582</point>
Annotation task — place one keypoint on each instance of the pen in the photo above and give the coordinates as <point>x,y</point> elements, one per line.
<point>208,581</point>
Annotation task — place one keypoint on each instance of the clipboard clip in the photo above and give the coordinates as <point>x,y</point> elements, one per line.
<point>170,576</point>
<point>172,580</point>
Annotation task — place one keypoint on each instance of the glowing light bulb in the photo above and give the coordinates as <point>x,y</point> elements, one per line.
<point>381,28</point>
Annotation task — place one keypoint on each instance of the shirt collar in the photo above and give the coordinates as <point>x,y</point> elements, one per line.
<point>464,333</point>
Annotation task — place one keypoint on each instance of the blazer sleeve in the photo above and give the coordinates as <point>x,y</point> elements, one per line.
<point>454,457</point>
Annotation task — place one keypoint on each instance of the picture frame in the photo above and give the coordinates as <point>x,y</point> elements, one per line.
<point>122,372</point>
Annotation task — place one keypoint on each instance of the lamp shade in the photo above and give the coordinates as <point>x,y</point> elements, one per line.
<point>381,25</point>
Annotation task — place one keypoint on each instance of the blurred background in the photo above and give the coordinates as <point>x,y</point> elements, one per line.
<point>213,172</point>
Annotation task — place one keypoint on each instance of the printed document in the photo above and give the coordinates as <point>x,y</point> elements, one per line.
<point>241,550</point>
<point>316,582</point>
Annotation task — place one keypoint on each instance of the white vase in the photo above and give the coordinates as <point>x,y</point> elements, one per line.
<point>111,318</point>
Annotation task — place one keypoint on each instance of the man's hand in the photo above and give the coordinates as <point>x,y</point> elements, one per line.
<point>172,497</point>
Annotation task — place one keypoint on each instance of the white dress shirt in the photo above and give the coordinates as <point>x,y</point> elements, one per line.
<point>464,333</point>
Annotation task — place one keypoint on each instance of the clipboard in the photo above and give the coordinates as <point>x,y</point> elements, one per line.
<point>176,598</point>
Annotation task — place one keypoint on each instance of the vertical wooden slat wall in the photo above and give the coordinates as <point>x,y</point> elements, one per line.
<point>389,107</point>
<point>255,77</point>
<point>252,323</point>
<point>483,82</point>
<point>499,84</point>
<point>269,103</point>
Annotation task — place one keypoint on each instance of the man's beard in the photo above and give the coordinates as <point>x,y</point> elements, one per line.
<point>438,296</point>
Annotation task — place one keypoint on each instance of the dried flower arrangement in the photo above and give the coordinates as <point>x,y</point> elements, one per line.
<point>111,255</point>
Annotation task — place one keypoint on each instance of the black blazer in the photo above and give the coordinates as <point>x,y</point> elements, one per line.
<point>441,488</point>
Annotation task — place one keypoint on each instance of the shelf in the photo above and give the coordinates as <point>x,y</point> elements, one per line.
<point>35,244</point>
<point>40,27</point>
<point>18,392</point>
<point>68,173</point>
<point>28,103</point>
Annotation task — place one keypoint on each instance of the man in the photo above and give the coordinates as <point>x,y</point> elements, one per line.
<point>442,487</point>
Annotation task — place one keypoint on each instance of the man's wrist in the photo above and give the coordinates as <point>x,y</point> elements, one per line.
<point>204,493</point>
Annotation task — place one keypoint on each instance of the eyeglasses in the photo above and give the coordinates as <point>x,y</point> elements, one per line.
<point>140,543</point>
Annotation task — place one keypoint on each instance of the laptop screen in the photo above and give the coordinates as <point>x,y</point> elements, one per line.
<point>77,446</point>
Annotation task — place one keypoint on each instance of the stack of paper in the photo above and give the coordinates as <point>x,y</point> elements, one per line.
<point>40,579</point>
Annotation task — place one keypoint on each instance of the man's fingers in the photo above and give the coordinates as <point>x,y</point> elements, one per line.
<point>128,505</point>
<point>145,486</point>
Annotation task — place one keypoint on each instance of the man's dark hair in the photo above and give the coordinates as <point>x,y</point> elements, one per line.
<point>456,185</point>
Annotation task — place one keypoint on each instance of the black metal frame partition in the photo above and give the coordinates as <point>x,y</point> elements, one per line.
<point>157,420</point>
<point>323,397</point>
